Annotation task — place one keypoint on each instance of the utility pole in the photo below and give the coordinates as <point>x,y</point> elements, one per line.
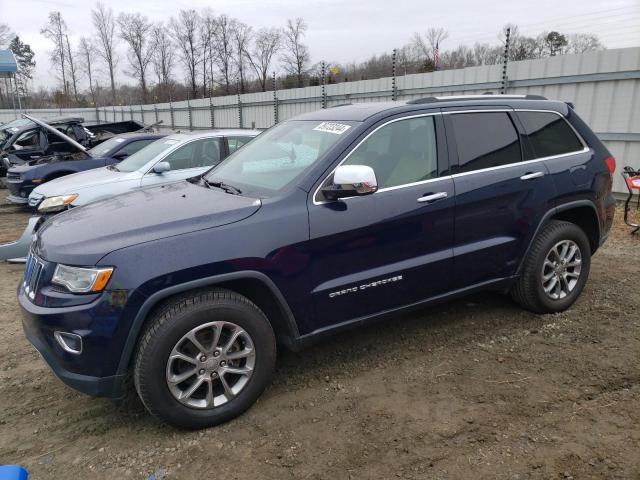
<point>503,87</point>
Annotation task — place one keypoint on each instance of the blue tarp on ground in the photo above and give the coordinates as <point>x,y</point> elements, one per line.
<point>8,63</point>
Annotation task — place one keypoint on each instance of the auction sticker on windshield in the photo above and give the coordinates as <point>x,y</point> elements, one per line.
<point>333,127</point>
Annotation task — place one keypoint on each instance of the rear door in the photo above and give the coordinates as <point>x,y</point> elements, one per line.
<point>392,248</point>
<point>500,197</point>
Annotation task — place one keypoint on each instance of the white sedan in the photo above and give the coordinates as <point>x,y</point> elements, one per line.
<point>173,158</point>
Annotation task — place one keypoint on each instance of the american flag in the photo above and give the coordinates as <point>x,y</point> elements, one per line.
<point>436,56</point>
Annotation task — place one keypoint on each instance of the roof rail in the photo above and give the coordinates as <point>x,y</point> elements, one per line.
<point>418,101</point>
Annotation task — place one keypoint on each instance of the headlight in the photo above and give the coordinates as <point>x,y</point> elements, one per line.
<point>82,280</point>
<point>56,204</point>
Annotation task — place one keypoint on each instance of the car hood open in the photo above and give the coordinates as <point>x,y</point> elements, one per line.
<point>82,236</point>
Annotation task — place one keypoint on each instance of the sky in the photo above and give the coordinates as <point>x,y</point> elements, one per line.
<point>348,30</point>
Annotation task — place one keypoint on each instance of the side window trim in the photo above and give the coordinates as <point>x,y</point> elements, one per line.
<point>453,152</point>
<point>585,147</point>
<point>441,152</point>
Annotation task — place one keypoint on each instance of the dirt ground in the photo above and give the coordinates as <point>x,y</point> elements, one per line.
<point>473,389</point>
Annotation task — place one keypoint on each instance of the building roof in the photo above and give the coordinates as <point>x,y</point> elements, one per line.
<point>8,63</point>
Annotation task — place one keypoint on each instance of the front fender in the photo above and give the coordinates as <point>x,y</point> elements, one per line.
<point>153,300</point>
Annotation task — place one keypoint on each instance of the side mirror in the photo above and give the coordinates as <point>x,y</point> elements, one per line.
<point>351,181</point>
<point>161,167</point>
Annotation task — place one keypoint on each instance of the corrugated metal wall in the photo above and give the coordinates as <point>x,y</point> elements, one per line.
<point>604,87</point>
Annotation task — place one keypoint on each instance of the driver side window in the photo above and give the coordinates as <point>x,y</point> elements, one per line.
<point>400,152</point>
<point>199,153</point>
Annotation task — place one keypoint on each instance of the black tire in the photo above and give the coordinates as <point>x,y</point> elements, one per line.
<point>528,291</point>
<point>165,329</point>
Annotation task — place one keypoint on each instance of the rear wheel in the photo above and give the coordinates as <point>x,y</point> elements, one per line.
<point>555,269</point>
<point>204,359</point>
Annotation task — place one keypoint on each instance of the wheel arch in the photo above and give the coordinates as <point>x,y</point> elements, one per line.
<point>582,213</point>
<point>256,286</point>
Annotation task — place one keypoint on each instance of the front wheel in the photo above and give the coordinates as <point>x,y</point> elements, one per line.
<point>204,359</point>
<point>555,270</point>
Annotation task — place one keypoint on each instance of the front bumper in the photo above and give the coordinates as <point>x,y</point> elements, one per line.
<point>93,371</point>
<point>110,387</point>
<point>17,199</point>
<point>19,190</point>
<point>19,248</point>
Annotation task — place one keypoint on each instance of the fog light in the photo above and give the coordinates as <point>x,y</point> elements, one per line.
<point>70,342</point>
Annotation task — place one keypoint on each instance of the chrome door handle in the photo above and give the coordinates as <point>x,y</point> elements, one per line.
<point>531,176</point>
<point>432,197</point>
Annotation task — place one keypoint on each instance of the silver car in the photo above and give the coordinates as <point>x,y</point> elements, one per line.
<point>173,158</point>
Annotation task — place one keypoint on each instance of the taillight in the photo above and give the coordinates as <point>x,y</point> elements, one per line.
<point>610,162</point>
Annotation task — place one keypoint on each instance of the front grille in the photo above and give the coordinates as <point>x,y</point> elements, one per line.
<point>13,176</point>
<point>34,199</point>
<point>32,273</point>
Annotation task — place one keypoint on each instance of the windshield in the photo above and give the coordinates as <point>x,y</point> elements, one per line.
<point>145,155</point>
<point>8,129</point>
<point>105,147</point>
<point>278,156</point>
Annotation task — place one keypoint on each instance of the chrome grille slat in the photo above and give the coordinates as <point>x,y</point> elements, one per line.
<point>32,273</point>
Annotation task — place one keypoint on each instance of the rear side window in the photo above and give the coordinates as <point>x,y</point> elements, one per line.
<point>236,142</point>
<point>485,140</point>
<point>549,134</point>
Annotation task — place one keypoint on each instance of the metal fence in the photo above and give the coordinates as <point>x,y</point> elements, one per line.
<point>604,87</point>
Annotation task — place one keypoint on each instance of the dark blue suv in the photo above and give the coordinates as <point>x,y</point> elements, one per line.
<point>326,221</point>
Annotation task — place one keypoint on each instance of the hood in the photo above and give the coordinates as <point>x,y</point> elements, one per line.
<point>78,181</point>
<point>31,165</point>
<point>83,235</point>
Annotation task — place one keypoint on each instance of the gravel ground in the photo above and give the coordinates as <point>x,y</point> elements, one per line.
<point>472,389</point>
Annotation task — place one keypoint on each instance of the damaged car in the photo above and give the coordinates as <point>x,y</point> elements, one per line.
<point>31,139</point>
<point>22,179</point>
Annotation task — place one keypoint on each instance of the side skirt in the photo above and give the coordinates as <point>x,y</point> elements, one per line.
<point>500,284</point>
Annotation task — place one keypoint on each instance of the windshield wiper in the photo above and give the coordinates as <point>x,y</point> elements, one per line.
<point>113,167</point>
<point>224,186</point>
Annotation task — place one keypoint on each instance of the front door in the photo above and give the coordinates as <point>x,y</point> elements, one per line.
<point>189,160</point>
<point>391,248</point>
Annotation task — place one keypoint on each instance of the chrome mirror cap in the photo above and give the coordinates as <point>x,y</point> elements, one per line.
<point>359,179</point>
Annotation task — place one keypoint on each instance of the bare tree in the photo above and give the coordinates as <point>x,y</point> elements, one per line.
<point>427,44</point>
<point>72,68</point>
<point>5,35</point>
<point>242,34</point>
<point>56,30</point>
<point>207,30</point>
<point>185,32</point>
<point>87,54</point>
<point>296,54</point>
<point>266,44</point>
<point>583,42</point>
<point>163,56</point>
<point>105,26</point>
<point>135,31</point>
<point>223,49</point>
